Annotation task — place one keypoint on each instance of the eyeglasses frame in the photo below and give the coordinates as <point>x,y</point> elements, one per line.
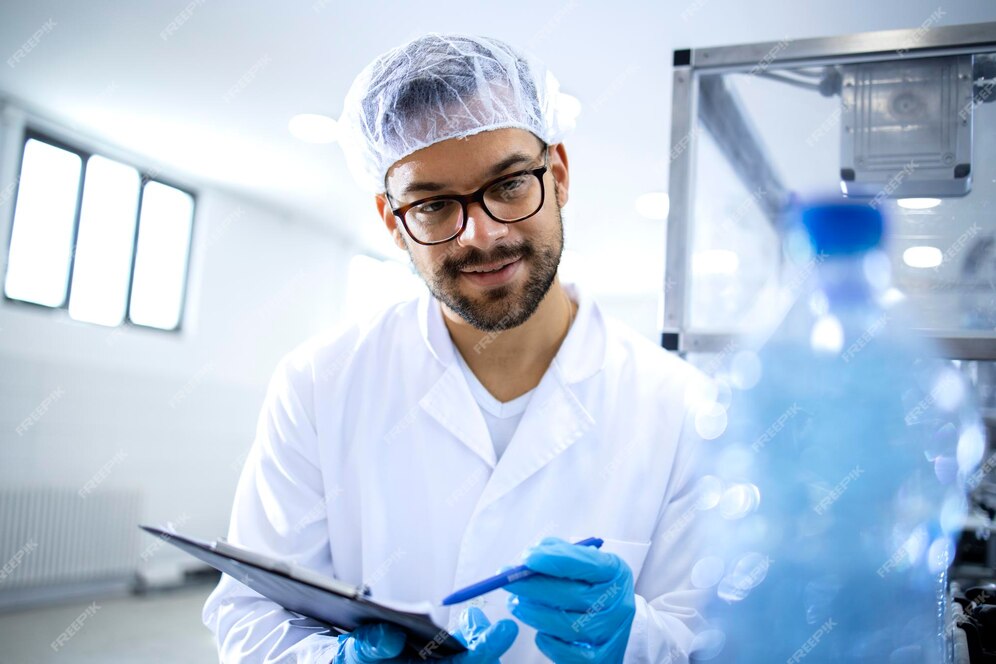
<point>476,197</point>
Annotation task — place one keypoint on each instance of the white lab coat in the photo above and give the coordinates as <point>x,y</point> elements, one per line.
<point>372,463</point>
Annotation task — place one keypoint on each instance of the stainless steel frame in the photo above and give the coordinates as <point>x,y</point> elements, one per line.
<point>954,346</point>
<point>885,44</point>
<point>690,63</point>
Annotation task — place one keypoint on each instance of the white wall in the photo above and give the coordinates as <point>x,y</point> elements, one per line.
<point>178,410</point>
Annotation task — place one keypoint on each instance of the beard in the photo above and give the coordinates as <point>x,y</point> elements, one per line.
<point>506,306</point>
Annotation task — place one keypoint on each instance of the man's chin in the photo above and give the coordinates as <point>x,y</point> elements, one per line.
<point>489,309</point>
<point>493,303</point>
<point>483,295</point>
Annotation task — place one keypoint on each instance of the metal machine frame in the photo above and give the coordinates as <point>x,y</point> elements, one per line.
<point>689,63</point>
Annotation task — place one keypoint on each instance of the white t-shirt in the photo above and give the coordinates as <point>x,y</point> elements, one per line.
<point>501,417</point>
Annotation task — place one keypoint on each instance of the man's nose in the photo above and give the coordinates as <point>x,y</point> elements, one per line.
<point>481,231</point>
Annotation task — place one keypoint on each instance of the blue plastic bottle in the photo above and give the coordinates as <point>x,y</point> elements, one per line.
<point>834,495</point>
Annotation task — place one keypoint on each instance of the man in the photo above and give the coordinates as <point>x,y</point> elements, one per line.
<point>423,451</point>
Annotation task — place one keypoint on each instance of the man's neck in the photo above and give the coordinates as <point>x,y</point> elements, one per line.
<point>511,362</point>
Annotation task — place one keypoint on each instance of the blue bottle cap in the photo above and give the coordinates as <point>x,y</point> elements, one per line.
<point>843,228</point>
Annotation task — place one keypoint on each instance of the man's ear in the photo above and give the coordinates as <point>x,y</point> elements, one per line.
<point>384,210</point>
<point>560,172</point>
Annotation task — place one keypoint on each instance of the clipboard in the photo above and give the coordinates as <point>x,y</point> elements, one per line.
<point>341,606</point>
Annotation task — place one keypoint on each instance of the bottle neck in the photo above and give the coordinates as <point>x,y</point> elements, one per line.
<point>846,277</point>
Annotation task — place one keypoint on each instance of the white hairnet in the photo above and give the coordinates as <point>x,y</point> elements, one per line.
<point>438,87</point>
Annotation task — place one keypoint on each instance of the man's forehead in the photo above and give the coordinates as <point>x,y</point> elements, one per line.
<point>462,160</point>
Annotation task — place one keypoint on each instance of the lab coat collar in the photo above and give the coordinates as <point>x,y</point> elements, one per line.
<point>581,355</point>
<point>554,419</point>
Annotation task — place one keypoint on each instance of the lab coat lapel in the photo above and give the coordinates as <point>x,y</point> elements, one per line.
<point>449,400</point>
<point>555,418</point>
<point>551,424</point>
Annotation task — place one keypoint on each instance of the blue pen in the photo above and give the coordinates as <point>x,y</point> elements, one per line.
<point>504,578</point>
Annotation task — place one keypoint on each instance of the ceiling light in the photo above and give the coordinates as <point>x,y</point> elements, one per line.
<point>918,203</point>
<point>654,205</point>
<point>314,128</point>
<point>924,256</point>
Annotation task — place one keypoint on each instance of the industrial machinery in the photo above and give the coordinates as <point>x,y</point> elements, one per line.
<point>903,120</point>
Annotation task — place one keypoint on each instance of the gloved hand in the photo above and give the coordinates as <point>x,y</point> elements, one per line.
<point>381,643</point>
<point>582,603</point>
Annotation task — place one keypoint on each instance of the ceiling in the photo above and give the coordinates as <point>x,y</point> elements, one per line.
<point>104,69</point>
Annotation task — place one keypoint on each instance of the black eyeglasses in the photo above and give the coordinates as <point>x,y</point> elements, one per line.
<point>508,199</point>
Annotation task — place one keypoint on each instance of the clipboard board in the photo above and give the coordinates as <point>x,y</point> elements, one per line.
<point>341,606</point>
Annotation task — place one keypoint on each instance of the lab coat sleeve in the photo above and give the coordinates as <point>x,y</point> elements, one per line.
<point>279,510</point>
<point>668,607</point>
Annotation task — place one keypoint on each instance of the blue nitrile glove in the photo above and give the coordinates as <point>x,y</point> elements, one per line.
<point>581,603</point>
<point>381,643</point>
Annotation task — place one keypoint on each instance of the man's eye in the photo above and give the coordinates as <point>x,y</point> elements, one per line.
<point>434,212</point>
<point>433,207</point>
<point>511,186</point>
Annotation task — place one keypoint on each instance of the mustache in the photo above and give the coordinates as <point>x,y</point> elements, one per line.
<point>453,266</point>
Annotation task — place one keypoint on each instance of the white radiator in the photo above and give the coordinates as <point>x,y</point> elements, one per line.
<point>62,537</point>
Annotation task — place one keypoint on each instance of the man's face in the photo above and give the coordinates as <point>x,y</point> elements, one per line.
<point>527,252</point>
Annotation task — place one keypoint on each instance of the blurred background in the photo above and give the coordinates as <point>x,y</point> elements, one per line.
<point>134,358</point>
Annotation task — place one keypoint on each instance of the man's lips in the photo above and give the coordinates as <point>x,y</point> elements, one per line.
<point>500,273</point>
<point>491,267</point>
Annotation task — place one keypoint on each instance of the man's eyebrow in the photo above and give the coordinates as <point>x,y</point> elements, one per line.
<point>495,171</point>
